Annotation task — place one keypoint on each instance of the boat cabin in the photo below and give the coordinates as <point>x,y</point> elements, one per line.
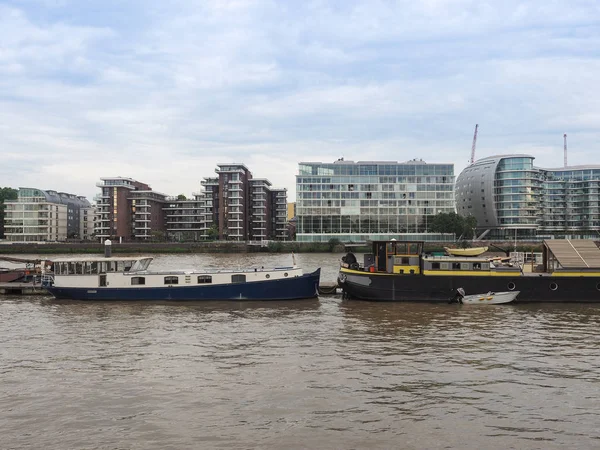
<point>401,257</point>
<point>97,266</point>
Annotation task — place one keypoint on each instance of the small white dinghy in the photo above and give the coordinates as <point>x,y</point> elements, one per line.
<point>490,298</point>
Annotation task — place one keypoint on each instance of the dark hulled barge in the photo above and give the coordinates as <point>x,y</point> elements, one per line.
<point>400,271</point>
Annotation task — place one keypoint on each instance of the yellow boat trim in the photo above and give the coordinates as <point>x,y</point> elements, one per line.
<point>478,273</point>
<point>406,269</point>
<point>575,274</point>
<point>362,272</point>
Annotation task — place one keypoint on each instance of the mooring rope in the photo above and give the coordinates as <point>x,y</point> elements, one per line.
<point>330,290</point>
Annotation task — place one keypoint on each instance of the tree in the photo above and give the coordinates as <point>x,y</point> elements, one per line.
<point>453,223</point>
<point>213,233</point>
<point>181,197</point>
<point>469,228</point>
<point>158,236</point>
<point>6,193</point>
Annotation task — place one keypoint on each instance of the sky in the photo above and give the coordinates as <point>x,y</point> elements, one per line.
<point>163,91</point>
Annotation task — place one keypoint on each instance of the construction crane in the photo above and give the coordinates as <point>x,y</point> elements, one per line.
<point>565,138</point>
<point>474,142</point>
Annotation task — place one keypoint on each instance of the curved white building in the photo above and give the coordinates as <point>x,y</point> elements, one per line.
<point>511,198</point>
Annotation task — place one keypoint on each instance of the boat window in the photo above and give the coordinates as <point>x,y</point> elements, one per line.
<point>485,266</point>
<point>171,280</point>
<point>435,265</point>
<point>127,266</point>
<point>476,266</point>
<point>405,260</point>
<point>445,266</point>
<point>238,278</point>
<point>79,268</point>
<point>140,265</point>
<point>138,280</point>
<point>204,279</point>
<point>94,267</point>
<point>413,249</point>
<point>464,266</point>
<point>455,266</point>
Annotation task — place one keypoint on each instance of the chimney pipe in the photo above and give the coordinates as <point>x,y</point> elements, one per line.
<point>107,248</point>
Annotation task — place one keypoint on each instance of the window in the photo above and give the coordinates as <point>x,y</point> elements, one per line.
<point>238,278</point>
<point>137,281</point>
<point>171,280</point>
<point>476,266</point>
<point>455,266</point>
<point>435,265</point>
<point>204,279</point>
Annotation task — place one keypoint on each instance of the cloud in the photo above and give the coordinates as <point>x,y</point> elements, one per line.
<point>163,91</point>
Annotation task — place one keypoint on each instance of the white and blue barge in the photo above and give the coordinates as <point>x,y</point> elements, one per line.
<point>129,278</point>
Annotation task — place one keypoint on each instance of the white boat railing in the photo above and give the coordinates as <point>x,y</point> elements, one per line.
<point>47,279</point>
<point>211,271</point>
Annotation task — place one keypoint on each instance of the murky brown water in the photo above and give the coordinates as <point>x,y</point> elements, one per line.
<point>326,374</point>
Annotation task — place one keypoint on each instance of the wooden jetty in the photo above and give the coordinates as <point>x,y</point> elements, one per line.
<point>22,289</point>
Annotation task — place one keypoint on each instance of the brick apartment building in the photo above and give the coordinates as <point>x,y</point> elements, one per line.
<point>231,206</point>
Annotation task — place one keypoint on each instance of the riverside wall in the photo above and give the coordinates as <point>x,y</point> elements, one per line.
<point>223,247</point>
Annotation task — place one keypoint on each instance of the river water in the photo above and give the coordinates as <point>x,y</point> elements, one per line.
<point>319,374</point>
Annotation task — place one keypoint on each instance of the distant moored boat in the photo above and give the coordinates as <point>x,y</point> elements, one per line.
<point>128,278</point>
<point>474,251</point>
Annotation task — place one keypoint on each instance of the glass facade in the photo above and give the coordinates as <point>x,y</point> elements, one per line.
<point>38,216</point>
<point>528,201</point>
<point>370,200</point>
<point>516,193</point>
<point>571,199</point>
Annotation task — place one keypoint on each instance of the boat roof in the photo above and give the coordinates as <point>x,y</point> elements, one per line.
<point>458,258</point>
<point>575,254</point>
<point>376,241</point>
<point>100,258</point>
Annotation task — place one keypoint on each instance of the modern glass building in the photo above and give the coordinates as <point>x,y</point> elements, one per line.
<point>570,200</point>
<point>513,199</point>
<point>39,216</point>
<point>357,201</point>
<point>503,194</point>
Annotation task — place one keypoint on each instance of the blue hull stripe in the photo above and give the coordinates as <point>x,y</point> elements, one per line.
<point>305,286</point>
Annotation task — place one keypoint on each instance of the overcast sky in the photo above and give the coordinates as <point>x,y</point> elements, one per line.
<point>162,91</point>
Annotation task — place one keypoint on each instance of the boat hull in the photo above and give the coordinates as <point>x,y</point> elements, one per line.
<point>8,276</point>
<point>295,288</point>
<point>431,288</point>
